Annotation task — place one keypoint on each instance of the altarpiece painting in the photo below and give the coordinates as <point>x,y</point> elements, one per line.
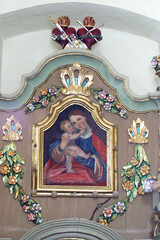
<point>73,149</point>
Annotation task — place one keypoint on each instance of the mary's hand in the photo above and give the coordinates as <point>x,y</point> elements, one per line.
<point>65,140</point>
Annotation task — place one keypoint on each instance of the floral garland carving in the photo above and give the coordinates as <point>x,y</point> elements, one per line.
<point>47,96</point>
<point>104,99</point>
<point>107,102</point>
<point>134,174</point>
<point>12,173</point>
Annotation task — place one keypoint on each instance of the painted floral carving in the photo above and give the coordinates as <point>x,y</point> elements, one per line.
<point>102,95</point>
<point>17,168</point>
<point>12,173</point>
<point>1,154</point>
<point>12,180</point>
<point>4,169</point>
<point>134,175</point>
<point>25,198</point>
<point>119,207</point>
<point>144,170</point>
<point>127,185</point>
<point>108,103</point>
<point>134,161</point>
<point>156,63</point>
<point>107,212</point>
<point>11,153</point>
<point>141,190</point>
<point>47,96</point>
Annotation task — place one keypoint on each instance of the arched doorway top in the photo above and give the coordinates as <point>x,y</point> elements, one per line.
<point>74,228</point>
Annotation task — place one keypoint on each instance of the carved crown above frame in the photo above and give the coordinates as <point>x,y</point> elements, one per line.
<point>76,80</point>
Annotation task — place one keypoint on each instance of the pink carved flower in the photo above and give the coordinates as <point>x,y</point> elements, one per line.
<point>107,106</point>
<point>35,99</point>
<point>119,207</point>
<point>102,95</point>
<point>154,63</point>
<point>54,37</point>
<point>107,212</point>
<point>25,208</point>
<point>44,103</point>
<point>31,217</point>
<point>63,36</point>
<point>25,198</point>
<point>53,91</point>
<point>73,36</point>
<point>110,98</point>
<point>36,208</point>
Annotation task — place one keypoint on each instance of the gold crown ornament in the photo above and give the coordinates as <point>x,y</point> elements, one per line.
<point>138,132</point>
<point>64,21</point>
<point>12,130</point>
<point>89,22</point>
<point>76,80</point>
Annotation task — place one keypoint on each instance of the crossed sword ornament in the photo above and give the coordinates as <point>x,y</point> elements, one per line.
<point>89,31</point>
<point>55,22</point>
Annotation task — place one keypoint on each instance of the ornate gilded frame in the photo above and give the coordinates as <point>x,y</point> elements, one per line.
<point>38,188</point>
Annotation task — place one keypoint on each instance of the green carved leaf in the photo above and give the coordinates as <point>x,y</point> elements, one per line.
<point>32,201</point>
<point>138,172</point>
<point>19,182</point>
<point>38,105</point>
<point>113,110</point>
<point>16,191</point>
<point>125,179</point>
<point>137,180</point>
<point>15,159</point>
<point>114,215</point>
<point>128,166</point>
<point>5,180</point>
<point>122,173</point>
<point>11,189</point>
<point>2,160</point>
<point>134,192</point>
<point>146,159</point>
<point>43,98</point>
<point>126,203</point>
<point>131,198</point>
<point>101,102</point>
<point>20,159</point>
<point>9,159</point>
<point>52,98</point>
<point>128,193</point>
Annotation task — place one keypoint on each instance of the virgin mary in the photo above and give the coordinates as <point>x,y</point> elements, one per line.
<point>91,171</point>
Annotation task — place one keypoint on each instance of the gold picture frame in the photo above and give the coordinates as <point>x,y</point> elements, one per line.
<point>88,174</point>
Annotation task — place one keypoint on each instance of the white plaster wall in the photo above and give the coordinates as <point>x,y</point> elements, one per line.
<point>129,54</point>
<point>148,8</point>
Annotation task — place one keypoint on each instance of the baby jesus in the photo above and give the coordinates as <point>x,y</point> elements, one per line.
<point>71,151</point>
